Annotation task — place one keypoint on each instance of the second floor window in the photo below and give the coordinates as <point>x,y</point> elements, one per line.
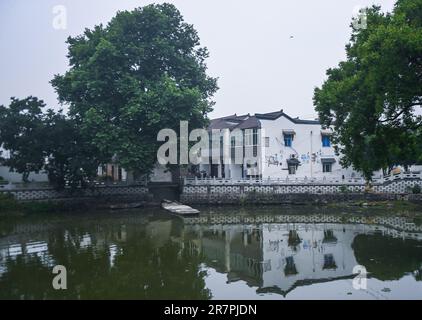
<point>251,140</point>
<point>288,138</point>
<point>326,141</point>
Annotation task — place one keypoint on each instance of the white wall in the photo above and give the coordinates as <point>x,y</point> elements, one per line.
<point>16,177</point>
<point>307,140</point>
<point>160,174</point>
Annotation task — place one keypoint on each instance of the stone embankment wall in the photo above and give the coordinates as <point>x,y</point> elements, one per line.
<point>140,193</point>
<point>235,194</point>
<point>297,193</point>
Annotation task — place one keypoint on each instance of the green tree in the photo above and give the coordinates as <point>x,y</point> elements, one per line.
<point>70,159</point>
<point>21,133</point>
<point>141,73</point>
<point>373,97</point>
<point>46,142</point>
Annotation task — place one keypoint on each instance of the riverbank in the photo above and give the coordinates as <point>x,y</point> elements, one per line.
<point>11,206</point>
<point>397,205</point>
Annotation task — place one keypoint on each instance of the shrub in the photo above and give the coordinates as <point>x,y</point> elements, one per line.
<point>416,189</point>
<point>8,203</point>
<point>344,189</point>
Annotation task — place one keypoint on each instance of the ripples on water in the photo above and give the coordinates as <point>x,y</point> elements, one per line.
<point>223,253</point>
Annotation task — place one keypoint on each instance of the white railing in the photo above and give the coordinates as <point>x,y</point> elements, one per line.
<point>300,180</point>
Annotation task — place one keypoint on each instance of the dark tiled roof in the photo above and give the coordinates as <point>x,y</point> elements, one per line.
<point>248,122</point>
<point>278,114</point>
<point>228,122</point>
<point>222,124</point>
<point>270,115</point>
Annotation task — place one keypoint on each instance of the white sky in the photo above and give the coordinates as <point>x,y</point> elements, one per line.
<point>260,68</point>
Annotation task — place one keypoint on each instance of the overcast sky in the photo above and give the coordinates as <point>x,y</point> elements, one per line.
<point>259,66</point>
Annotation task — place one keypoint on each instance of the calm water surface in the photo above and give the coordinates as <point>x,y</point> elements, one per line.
<point>224,253</point>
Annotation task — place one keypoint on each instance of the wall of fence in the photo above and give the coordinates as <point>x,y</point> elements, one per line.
<point>293,180</point>
<point>270,192</point>
<point>138,192</point>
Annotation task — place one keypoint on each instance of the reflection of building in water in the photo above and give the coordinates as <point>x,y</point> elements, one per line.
<point>273,253</point>
<point>23,245</point>
<point>277,257</point>
<point>297,253</point>
<point>235,251</point>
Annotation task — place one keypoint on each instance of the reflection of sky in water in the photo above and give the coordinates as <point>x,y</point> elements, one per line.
<point>405,288</point>
<point>160,256</point>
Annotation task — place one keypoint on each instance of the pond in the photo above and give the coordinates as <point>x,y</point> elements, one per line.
<point>224,253</point>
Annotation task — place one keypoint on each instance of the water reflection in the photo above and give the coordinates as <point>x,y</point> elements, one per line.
<point>156,256</point>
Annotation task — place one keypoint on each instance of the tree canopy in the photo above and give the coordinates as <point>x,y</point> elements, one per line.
<point>143,72</point>
<point>21,133</point>
<point>45,141</point>
<point>373,99</point>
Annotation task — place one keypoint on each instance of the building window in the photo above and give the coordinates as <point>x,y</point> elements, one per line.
<point>326,141</point>
<point>233,147</point>
<point>327,167</point>
<point>288,138</point>
<point>267,142</point>
<point>255,137</point>
<point>329,262</point>
<point>251,140</point>
<point>290,267</point>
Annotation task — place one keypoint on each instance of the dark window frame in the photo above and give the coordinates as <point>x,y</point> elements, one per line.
<point>329,167</point>
<point>288,139</point>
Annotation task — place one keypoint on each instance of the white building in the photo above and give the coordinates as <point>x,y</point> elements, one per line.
<point>15,177</point>
<point>283,146</point>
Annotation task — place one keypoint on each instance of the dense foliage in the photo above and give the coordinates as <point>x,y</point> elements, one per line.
<point>45,141</point>
<point>373,99</point>
<point>141,73</point>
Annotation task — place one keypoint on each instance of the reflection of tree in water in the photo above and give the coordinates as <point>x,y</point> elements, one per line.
<point>140,270</point>
<point>418,274</point>
<point>388,258</point>
<point>26,278</point>
<point>294,239</point>
<point>161,272</point>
